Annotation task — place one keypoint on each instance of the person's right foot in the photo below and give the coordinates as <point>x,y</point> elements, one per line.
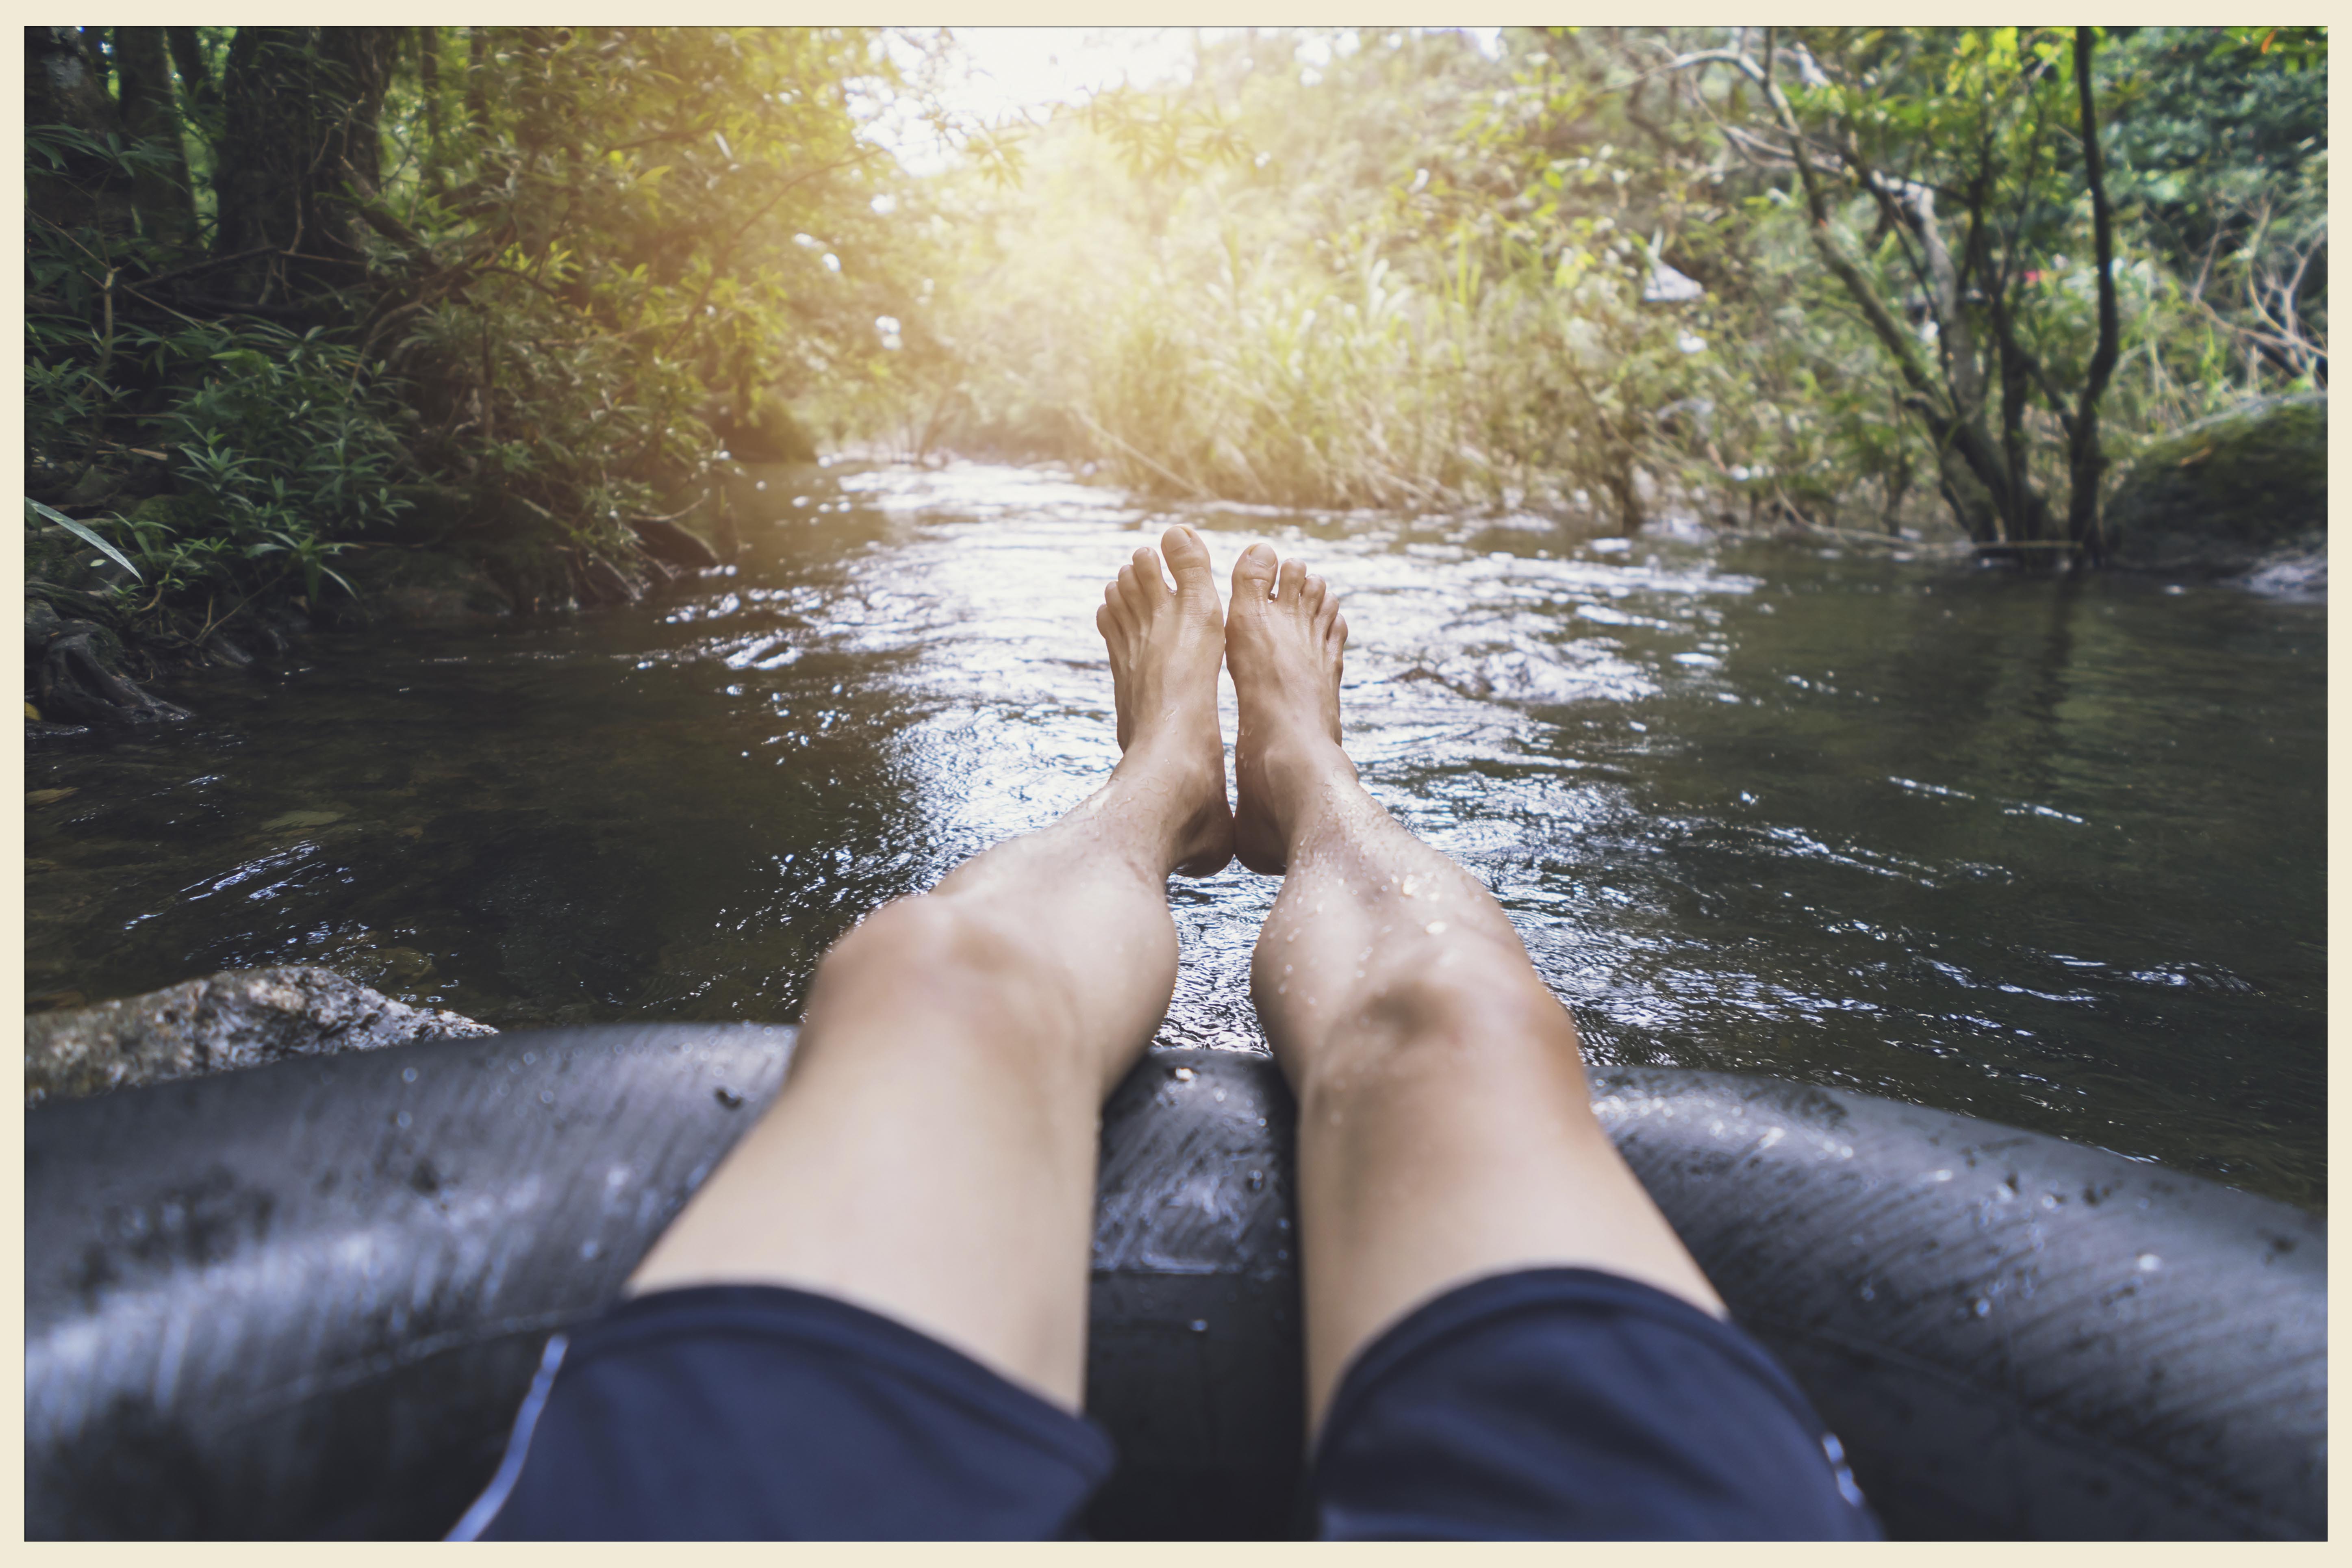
<point>1284,642</point>
<point>1165,646</point>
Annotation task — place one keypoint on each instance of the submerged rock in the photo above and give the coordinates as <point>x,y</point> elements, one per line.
<point>240,1019</point>
<point>2228,494</point>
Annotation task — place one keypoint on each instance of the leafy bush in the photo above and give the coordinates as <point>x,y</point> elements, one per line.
<point>1408,275</point>
<point>534,281</point>
<point>282,458</point>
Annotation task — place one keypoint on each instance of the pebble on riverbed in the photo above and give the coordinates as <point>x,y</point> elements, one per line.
<point>240,1019</point>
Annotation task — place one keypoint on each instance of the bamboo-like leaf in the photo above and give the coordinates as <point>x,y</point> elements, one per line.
<point>84,532</point>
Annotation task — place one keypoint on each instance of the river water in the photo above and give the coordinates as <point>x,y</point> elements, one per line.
<point>2048,854</point>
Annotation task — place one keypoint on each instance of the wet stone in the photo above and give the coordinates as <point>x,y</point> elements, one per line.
<point>238,1019</point>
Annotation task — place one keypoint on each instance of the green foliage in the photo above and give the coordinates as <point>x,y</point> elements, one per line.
<point>281,459</point>
<point>1412,275</point>
<point>83,531</point>
<point>2221,143</point>
<point>591,253</point>
<point>1240,326</point>
<point>1337,268</point>
<point>278,453</point>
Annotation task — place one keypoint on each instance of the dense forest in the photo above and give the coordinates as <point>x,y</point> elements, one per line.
<point>314,312</point>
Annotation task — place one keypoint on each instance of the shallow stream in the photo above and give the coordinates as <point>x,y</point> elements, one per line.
<point>2049,854</point>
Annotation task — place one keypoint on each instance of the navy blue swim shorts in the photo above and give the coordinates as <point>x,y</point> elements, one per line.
<point>1557,1404</point>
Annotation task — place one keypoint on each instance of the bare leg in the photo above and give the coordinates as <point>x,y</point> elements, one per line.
<point>1445,1131</point>
<point>932,1155</point>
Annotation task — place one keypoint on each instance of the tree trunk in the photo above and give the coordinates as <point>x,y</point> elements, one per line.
<point>1971,472</point>
<point>1897,482</point>
<point>299,129</point>
<point>1619,481</point>
<point>159,190</point>
<point>82,189</point>
<point>195,76</point>
<point>428,85</point>
<point>1964,492</point>
<point>1954,336</point>
<point>2086,462</point>
<point>200,104</point>
<point>477,79</point>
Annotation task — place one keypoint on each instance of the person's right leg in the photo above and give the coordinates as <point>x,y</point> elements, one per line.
<point>1445,1128</point>
<point>871,1321</point>
<point>1504,1336</point>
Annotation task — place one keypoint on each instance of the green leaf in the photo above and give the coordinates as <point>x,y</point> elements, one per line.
<point>84,532</point>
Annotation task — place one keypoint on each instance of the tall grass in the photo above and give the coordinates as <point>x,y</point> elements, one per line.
<point>1493,378</point>
<point>1396,294</point>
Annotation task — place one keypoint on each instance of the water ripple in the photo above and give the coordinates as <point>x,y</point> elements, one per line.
<point>2047,854</point>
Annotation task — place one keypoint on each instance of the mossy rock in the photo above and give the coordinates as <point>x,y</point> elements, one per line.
<point>176,513</point>
<point>2227,493</point>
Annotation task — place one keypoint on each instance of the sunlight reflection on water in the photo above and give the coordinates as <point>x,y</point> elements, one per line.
<point>2046,856</point>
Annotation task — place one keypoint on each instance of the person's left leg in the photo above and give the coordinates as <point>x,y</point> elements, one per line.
<point>931,1157</point>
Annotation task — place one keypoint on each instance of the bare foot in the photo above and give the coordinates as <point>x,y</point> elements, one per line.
<point>1164,652</point>
<point>1284,643</point>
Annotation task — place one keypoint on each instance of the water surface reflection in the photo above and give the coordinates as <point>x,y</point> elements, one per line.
<point>2044,853</point>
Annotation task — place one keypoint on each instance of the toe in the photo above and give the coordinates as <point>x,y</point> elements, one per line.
<point>1322,604</point>
<point>1149,588</point>
<point>1289,587</point>
<point>1115,608</point>
<point>1188,562</point>
<point>1253,575</point>
<point>1147,569</point>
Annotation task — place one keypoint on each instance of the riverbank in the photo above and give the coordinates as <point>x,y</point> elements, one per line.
<point>2242,497</point>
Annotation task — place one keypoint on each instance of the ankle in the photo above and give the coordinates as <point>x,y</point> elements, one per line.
<point>1308,778</point>
<point>1164,811</point>
<point>1173,779</point>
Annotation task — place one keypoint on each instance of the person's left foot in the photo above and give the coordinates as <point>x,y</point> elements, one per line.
<point>1165,650</point>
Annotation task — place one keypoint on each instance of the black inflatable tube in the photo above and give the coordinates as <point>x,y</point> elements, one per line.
<point>306,1299</point>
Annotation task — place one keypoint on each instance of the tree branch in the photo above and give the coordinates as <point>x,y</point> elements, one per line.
<point>726,252</point>
<point>1889,332</point>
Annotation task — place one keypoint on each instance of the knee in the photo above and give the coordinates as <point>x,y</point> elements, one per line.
<point>928,951</point>
<point>1473,991</point>
<point>1476,1016</point>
